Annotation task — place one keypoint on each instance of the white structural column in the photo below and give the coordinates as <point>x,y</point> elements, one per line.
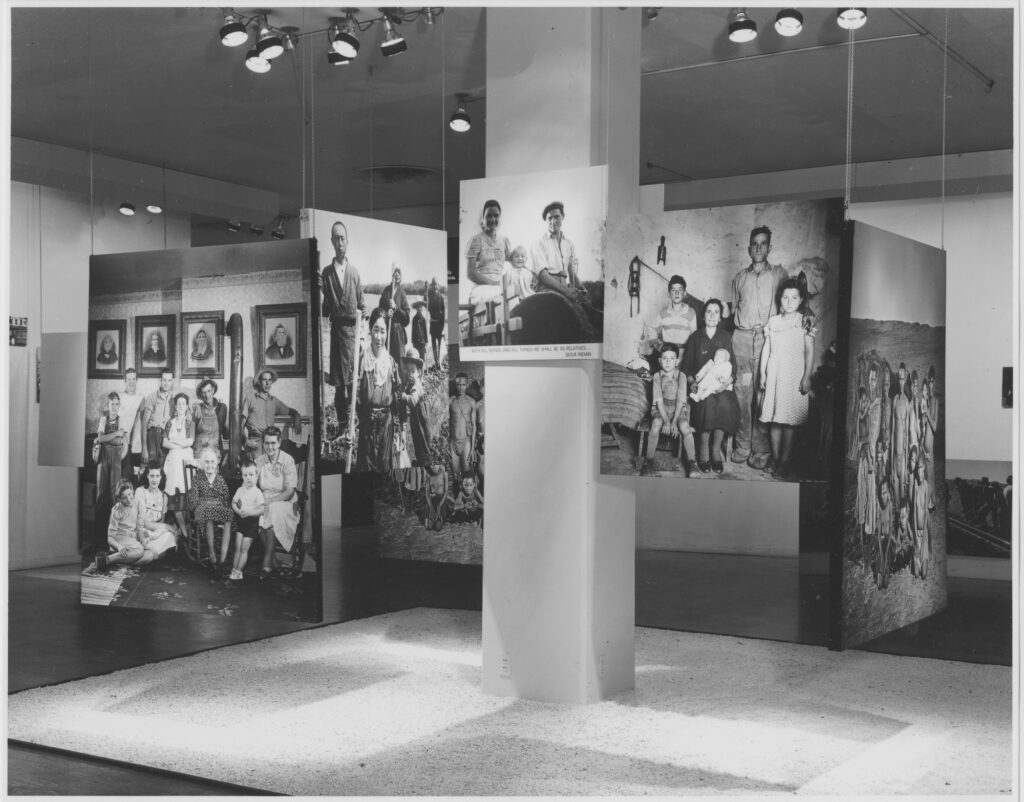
<point>563,90</point>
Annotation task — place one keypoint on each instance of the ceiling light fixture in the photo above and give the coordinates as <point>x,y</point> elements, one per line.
<point>256,230</point>
<point>255,62</point>
<point>741,27</point>
<point>234,226</point>
<point>336,60</point>
<point>343,38</point>
<point>289,37</point>
<point>393,43</point>
<point>277,232</point>
<point>233,32</point>
<point>460,121</point>
<point>789,22</point>
<point>652,13</point>
<point>851,18</point>
<point>127,209</point>
<point>154,208</point>
<point>268,44</point>
<point>428,16</point>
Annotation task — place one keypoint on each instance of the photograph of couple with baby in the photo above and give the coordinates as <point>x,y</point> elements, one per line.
<point>530,273</point>
<point>719,342</point>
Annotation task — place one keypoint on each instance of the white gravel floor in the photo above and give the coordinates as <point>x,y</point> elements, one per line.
<point>392,705</point>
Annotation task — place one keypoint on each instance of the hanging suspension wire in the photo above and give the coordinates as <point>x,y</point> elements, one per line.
<point>847,188</point>
<point>945,71</point>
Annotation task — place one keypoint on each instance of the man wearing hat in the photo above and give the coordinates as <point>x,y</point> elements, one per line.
<point>259,411</point>
<point>211,417</point>
<point>419,330</point>
<point>554,256</point>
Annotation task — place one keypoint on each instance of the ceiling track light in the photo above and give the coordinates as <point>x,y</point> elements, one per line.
<point>428,16</point>
<point>256,230</point>
<point>277,232</point>
<point>233,226</point>
<point>851,18</point>
<point>337,60</point>
<point>652,13</point>
<point>268,44</point>
<point>127,209</point>
<point>789,22</point>
<point>460,121</point>
<point>154,208</point>
<point>343,37</point>
<point>233,32</point>
<point>255,62</point>
<point>741,27</point>
<point>393,43</point>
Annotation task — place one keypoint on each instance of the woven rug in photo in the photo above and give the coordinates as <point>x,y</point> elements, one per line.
<point>392,705</point>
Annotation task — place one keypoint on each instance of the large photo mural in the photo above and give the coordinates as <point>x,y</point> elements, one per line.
<point>531,275</point>
<point>895,493</point>
<point>199,440</point>
<point>382,308</point>
<point>719,342</point>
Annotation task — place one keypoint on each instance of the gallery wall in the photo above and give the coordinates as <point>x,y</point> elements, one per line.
<point>51,239</point>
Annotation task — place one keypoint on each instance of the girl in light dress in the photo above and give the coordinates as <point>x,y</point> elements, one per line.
<point>154,533</point>
<point>787,362</point>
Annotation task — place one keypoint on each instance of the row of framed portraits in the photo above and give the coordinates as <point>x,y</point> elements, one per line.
<point>280,343</point>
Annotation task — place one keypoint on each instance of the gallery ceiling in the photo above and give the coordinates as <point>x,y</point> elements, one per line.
<point>156,86</point>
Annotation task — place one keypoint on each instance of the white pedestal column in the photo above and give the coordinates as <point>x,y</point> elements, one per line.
<point>558,609</point>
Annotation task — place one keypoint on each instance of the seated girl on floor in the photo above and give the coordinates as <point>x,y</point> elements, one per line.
<point>123,534</point>
<point>154,532</point>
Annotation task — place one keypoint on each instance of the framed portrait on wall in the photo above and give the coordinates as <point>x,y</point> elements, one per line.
<point>202,344</point>
<point>107,341</point>
<point>280,340</point>
<point>155,345</point>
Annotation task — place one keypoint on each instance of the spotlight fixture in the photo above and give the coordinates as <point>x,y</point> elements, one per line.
<point>289,37</point>
<point>460,122</point>
<point>277,232</point>
<point>393,43</point>
<point>428,16</point>
<point>154,208</point>
<point>337,60</point>
<point>233,32</point>
<point>652,13</point>
<point>255,62</point>
<point>343,38</point>
<point>268,43</point>
<point>741,27</point>
<point>789,22</point>
<point>234,226</point>
<point>256,230</point>
<point>851,18</point>
<point>127,209</point>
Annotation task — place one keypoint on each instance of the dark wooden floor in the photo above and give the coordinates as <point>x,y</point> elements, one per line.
<point>52,638</point>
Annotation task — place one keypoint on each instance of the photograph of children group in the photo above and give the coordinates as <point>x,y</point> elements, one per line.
<point>719,342</point>
<point>895,495</point>
<point>183,513</point>
<point>531,277</point>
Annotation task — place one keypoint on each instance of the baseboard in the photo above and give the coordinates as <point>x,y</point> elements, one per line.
<point>980,568</point>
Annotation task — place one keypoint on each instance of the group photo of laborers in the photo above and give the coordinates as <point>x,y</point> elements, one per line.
<point>531,270</point>
<point>202,476</point>
<point>383,316</point>
<point>434,510</point>
<point>720,343</point>
<point>896,447</point>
